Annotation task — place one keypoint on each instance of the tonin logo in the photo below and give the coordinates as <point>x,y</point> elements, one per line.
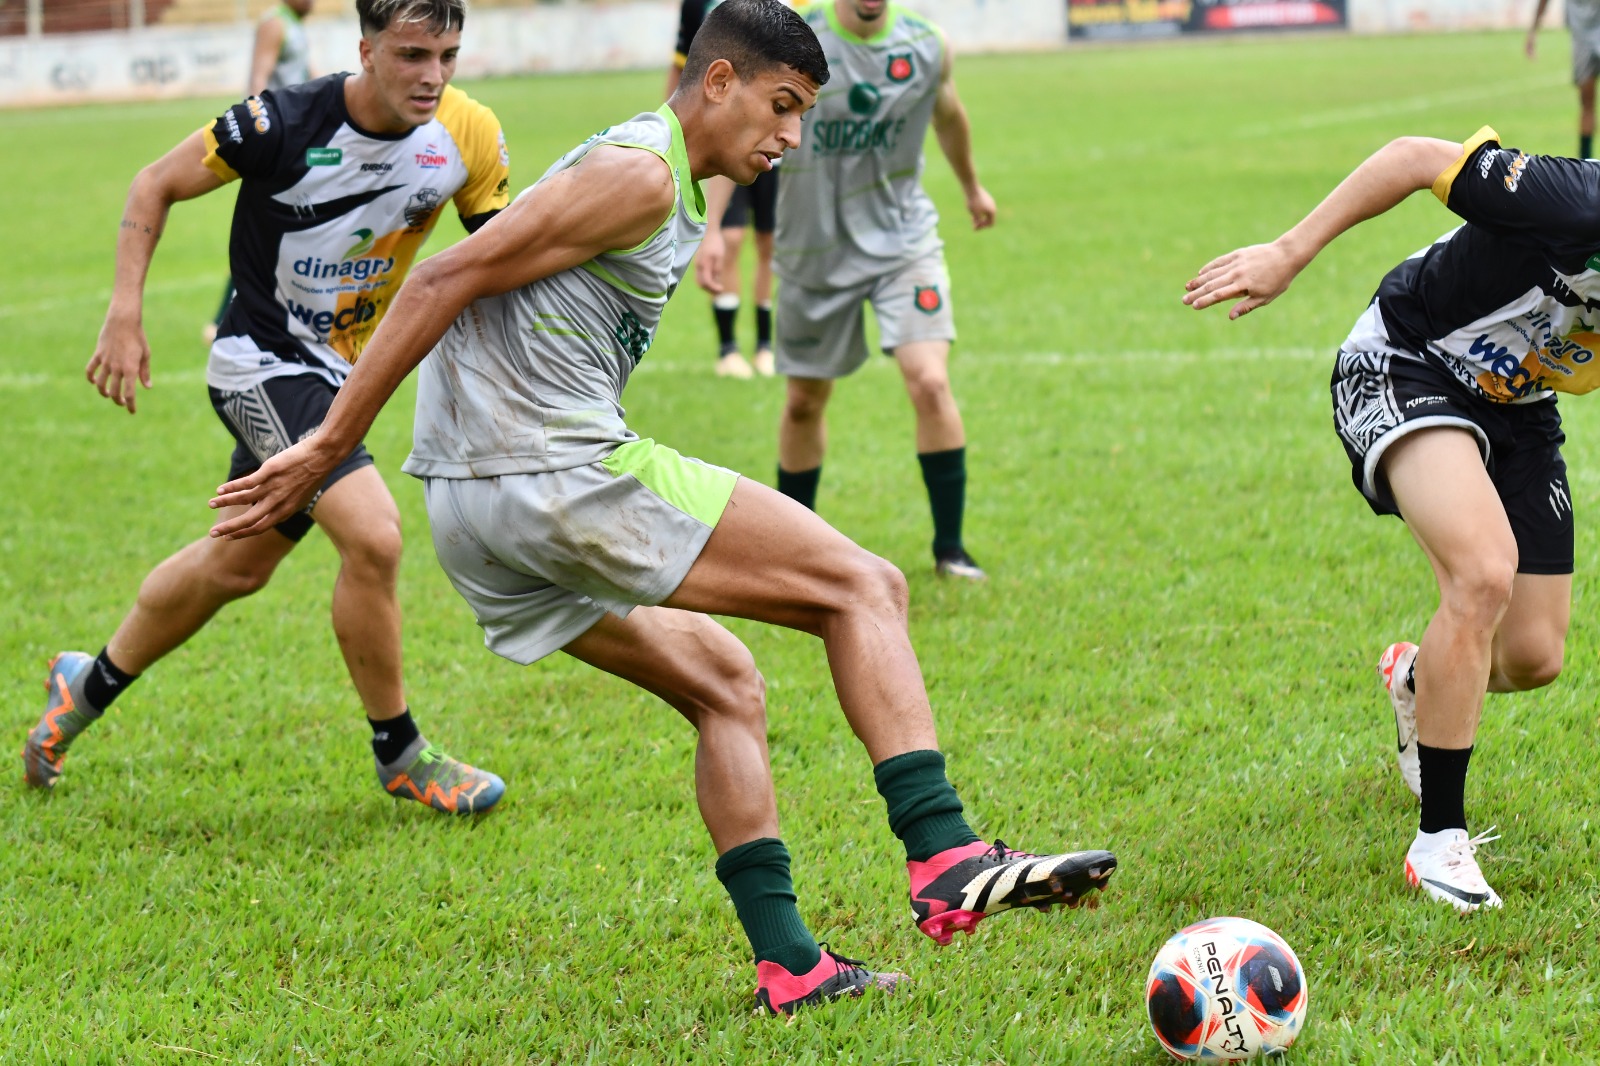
<point>1518,165</point>
<point>430,158</point>
<point>864,98</point>
<point>900,68</point>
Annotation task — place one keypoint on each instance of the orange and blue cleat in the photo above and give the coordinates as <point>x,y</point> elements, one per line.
<point>427,775</point>
<point>63,720</point>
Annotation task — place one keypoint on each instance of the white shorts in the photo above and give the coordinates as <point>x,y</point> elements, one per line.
<point>542,557</point>
<point>821,333</point>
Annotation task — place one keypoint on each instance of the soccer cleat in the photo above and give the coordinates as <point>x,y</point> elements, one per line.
<point>63,720</point>
<point>1442,865</point>
<point>957,563</point>
<point>428,775</point>
<point>765,363</point>
<point>1394,667</point>
<point>959,887</point>
<point>734,365</point>
<point>780,992</point>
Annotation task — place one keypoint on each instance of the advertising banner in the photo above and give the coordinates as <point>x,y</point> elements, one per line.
<point>1160,18</point>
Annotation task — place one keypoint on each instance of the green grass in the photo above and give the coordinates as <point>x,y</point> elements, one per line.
<point>1174,658</point>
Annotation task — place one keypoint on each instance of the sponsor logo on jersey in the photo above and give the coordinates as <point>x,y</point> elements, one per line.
<point>362,246</point>
<point>900,68</point>
<point>1486,164</point>
<point>326,322</point>
<point>927,299</point>
<point>632,335</point>
<point>423,203</point>
<point>258,111</point>
<point>325,157</point>
<point>430,158</point>
<point>233,127</point>
<point>842,135</point>
<point>1515,380</point>
<point>1514,176</point>
<point>864,98</point>
<point>361,268</point>
<point>1594,262</point>
<point>376,168</point>
<point>1420,400</point>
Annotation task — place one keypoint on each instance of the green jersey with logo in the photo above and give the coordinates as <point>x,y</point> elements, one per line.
<point>531,380</point>
<point>851,205</point>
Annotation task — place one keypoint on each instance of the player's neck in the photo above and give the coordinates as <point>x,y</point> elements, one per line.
<point>845,11</point>
<point>366,108</point>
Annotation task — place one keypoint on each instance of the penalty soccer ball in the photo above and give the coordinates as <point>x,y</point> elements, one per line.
<point>1225,989</point>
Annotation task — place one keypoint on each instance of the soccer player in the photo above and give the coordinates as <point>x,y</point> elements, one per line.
<point>564,531</point>
<point>280,56</point>
<point>342,179</point>
<point>856,227</point>
<point>1583,19</point>
<point>1444,397</point>
<point>757,203</point>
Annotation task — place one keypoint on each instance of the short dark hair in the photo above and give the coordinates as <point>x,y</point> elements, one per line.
<point>755,36</point>
<point>440,16</point>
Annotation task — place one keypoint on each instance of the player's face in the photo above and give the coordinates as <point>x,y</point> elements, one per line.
<point>410,67</point>
<point>766,121</point>
<point>870,10</point>
<point>300,7</point>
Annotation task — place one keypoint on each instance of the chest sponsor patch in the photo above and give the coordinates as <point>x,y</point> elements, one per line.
<point>324,157</point>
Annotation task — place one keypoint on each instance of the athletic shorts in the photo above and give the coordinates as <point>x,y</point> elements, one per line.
<point>1585,53</point>
<point>273,415</point>
<point>542,557</point>
<point>759,198</point>
<point>1380,397</point>
<point>821,333</point>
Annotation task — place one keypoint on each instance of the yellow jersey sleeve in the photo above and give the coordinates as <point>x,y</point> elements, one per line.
<point>1441,184</point>
<point>482,143</point>
<point>214,162</point>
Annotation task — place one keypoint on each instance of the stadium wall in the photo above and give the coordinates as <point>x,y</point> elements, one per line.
<point>163,62</point>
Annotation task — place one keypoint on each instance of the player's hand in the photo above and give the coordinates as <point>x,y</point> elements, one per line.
<point>980,205</point>
<point>709,259</point>
<point>121,358</point>
<point>1259,274</point>
<point>283,485</point>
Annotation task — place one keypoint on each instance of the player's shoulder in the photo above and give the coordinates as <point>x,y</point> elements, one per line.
<point>458,110</point>
<point>315,100</point>
<point>473,126</point>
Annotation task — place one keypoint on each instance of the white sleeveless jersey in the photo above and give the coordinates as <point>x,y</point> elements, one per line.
<point>851,205</point>
<point>532,379</point>
<point>294,54</point>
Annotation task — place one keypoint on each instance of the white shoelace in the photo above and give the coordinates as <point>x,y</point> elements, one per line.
<point>1465,849</point>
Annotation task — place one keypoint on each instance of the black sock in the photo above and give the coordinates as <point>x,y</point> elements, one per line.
<point>945,475</point>
<point>726,317</point>
<point>924,810</point>
<point>392,736</point>
<point>104,682</point>
<point>800,485</point>
<point>763,325</point>
<point>1585,146</point>
<point>756,875</point>
<point>1444,787</point>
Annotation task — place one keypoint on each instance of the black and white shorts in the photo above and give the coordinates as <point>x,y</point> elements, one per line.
<point>1380,397</point>
<point>758,199</point>
<point>269,417</point>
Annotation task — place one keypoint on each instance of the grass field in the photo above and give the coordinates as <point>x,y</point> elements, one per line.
<point>1173,659</point>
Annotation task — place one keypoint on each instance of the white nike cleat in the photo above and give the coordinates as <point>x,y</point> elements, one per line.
<point>1394,667</point>
<point>1442,865</point>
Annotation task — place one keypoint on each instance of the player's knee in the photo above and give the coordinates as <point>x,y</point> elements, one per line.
<point>729,686</point>
<point>1533,667</point>
<point>373,553</point>
<point>238,578</point>
<point>1479,590</point>
<point>930,391</point>
<point>877,585</point>
<point>804,405</point>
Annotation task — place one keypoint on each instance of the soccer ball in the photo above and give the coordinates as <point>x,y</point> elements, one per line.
<point>1225,989</point>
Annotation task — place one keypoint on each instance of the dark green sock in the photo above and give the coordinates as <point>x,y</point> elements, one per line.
<point>1585,145</point>
<point>924,810</point>
<point>756,876</point>
<point>945,475</point>
<point>800,485</point>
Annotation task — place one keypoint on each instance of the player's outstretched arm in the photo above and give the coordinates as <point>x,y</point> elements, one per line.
<point>614,198</point>
<point>1259,274</point>
<point>954,131</point>
<point>264,53</point>
<point>1531,45</point>
<point>122,354</point>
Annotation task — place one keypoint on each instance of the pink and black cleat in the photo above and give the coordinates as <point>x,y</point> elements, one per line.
<point>780,992</point>
<point>960,887</point>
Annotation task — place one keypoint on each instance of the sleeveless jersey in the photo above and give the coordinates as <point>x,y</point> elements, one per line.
<point>294,54</point>
<point>329,218</point>
<point>851,205</point>
<point>531,380</point>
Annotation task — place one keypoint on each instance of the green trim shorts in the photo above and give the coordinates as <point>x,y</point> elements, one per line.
<point>541,557</point>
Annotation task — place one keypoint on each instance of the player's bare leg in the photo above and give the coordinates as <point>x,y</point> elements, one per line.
<point>764,361</point>
<point>359,516</point>
<point>1586,116</point>
<point>1531,641</point>
<point>731,363</point>
<point>702,671</point>
<point>941,451</point>
<point>1449,504</point>
<point>803,438</point>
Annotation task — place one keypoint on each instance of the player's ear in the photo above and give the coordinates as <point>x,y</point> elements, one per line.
<point>719,81</point>
<point>366,53</point>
